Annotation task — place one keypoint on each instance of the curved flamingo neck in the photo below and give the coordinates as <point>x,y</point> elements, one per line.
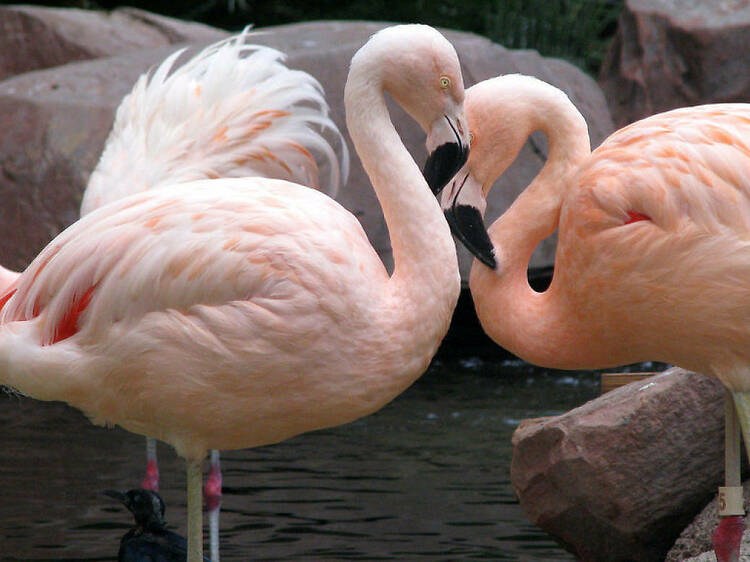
<point>534,326</point>
<point>425,277</point>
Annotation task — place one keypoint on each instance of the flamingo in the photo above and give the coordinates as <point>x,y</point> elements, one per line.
<point>653,252</point>
<point>232,110</point>
<point>238,312</point>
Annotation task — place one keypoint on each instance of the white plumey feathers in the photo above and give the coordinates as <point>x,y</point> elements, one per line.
<point>233,110</point>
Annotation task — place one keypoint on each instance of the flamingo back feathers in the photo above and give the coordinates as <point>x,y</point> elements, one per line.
<point>688,171</point>
<point>233,110</point>
<point>686,164</point>
<point>177,249</point>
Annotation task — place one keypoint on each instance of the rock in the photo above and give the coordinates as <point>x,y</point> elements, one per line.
<point>620,477</point>
<point>55,122</point>
<point>33,38</point>
<point>694,543</point>
<point>674,53</point>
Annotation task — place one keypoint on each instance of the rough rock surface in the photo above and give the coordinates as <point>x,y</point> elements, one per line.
<point>33,38</point>
<point>620,477</point>
<point>55,121</point>
<point>694,543</point>
<point>674,53</point>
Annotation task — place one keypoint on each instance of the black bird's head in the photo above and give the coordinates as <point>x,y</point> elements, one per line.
<point>146,506</point>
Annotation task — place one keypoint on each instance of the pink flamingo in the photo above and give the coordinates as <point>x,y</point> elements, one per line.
<point>233,110</point>
<point>652,256</point>
<point>233,313</point>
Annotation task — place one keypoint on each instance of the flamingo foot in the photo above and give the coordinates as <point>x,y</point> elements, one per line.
<point>151,480</point>
<point>727,538</point>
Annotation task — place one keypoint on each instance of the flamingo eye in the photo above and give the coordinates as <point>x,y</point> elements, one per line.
<point>445,82</point>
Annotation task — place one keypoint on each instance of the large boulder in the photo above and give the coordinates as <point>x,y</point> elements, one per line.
<point>673,53</point>
<point>55,122</point>
<point>53,126</point>
<point>618,478</point>
<point>33,38</point>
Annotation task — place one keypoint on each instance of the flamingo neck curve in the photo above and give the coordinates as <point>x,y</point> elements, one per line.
<point>534,326</point>
<point>425,283</point>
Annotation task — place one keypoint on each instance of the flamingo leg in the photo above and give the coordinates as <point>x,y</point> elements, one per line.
<point>151,479</point>
<point>212,496</point>
<point>213,523</point>
<point>195,511</point>
<point>742,406</point>
<point>727,537</point>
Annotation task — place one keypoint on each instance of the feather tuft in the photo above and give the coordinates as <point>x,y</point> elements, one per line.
<point>233,110</point>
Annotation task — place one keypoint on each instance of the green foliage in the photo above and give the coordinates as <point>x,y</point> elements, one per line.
<point>577,30</point>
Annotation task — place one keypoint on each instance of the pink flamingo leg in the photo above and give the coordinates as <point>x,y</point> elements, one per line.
<point>727,538</point>
<point>151,480</point>
<point>212,497</point>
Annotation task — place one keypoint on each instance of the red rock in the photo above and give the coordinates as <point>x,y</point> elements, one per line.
<point>620,477</point>
<point>33,38</point>
<point>671,53</point>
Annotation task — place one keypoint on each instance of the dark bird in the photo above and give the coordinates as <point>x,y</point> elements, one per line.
<point>149,540</point>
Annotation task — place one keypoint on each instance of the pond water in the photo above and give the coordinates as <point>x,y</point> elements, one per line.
<point>425,478</point>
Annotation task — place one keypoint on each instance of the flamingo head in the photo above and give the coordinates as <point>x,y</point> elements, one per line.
<point>464,204</point>
<point>420,69</point>
<point>497,133</point>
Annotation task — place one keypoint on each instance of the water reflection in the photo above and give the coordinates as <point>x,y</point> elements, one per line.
<point>427,477</point>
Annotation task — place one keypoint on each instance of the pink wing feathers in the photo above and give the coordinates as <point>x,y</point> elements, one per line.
<point>690,163</point>
<point>233,110</point>
<point>177,249</point>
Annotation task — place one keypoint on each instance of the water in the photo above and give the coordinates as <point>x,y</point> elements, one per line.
<point>425,478</point>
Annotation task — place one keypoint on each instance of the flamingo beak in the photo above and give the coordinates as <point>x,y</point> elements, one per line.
<point>448,152</point>
<point>463,204</point>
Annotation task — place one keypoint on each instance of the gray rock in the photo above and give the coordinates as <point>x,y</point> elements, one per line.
<point>55,122</point>
<point>620,477</point>
<point>674,53</point>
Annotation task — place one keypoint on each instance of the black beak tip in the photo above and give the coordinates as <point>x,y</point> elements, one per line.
<point>119,496</point>
<point>466,224</point>
<point>444,163</point>
<point>488,260</point>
